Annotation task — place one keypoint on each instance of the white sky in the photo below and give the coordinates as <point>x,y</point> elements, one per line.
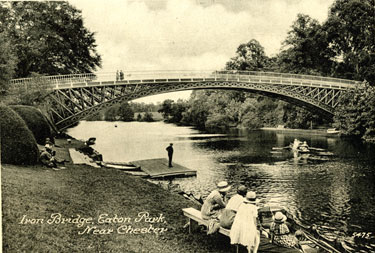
<point>188,34</point>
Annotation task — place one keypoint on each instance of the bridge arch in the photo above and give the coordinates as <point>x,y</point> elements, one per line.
<point>74,97</point>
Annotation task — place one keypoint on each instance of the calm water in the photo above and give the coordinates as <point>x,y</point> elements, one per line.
<point>337,192</point>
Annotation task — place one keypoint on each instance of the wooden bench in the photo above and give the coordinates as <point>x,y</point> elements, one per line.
<point>195,215</point>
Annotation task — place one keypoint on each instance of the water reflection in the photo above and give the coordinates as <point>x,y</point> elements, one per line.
<point>335,192</point>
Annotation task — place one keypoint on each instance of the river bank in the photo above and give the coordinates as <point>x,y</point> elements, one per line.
<point>85,209</point>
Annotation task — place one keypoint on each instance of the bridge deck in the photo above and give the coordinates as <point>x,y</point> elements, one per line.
<point>157,168</point>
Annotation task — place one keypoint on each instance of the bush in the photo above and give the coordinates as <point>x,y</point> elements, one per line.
<point>18,145</point>
<point>35,121</point>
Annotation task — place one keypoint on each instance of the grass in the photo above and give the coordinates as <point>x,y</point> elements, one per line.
<point>38,192</point>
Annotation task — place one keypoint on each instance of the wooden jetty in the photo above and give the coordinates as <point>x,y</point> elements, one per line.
<point>158,168</point>
<point>80,158</point>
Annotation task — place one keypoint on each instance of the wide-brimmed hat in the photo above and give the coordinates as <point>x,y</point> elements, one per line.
<point>251,198</point>
<point>279,217</point>
<point>48,147</point>
<point>223,186</point>
<point>242,190</point>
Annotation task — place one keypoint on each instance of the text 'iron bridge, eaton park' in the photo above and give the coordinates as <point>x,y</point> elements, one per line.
<point>73,97</point>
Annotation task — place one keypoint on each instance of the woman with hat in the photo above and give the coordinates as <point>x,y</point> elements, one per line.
<point>280,234</point>
<point>244,229</point>
<point>228,214</point>
<point>214,202</point>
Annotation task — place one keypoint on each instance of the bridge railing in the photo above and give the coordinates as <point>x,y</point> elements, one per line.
<point>63,81</point>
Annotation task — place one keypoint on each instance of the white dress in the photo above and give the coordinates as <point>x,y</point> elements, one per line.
<point>244,230</point>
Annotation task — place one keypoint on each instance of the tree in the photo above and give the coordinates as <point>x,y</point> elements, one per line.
<point>125,112</point>
<point>198,109</point>
<point>148,117</point>
<point>166,108</point>
<point>355,113</point>
<point>351,35</point>
<point>111,114</point>
<point>305,50</point>
<point>48,38</point>
<point>32,93</point>
<point>8,62</point>
<point>249,56</point>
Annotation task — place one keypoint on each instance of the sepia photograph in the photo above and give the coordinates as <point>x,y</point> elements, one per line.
<point>187,126</point>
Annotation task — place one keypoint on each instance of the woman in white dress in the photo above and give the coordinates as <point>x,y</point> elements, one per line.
<point>244,229</point>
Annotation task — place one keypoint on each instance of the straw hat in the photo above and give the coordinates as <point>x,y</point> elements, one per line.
<point>223,186</point>
<point>279,217</point>
<point>242,190</point>
<point>250,198</point>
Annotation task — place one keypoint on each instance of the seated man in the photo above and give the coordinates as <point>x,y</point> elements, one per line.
<point>227,216</point>
<point>47,158</point>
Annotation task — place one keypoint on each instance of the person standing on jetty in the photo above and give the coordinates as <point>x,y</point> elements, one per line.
<point>170,154</point>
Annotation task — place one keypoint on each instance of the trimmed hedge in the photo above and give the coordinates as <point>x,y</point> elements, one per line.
<point>18,145</point>
<point>35,121</point>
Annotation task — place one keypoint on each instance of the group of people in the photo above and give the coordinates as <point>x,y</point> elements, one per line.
<point>119,75</point>
<point>240,215</point>
<point>89,151</point>
<point>47,156</point>
<point>298,145</point>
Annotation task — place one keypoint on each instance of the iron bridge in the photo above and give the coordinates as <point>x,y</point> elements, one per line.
<point>73,97</point>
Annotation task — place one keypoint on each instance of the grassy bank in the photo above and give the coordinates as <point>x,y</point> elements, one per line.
<point>79,191</point>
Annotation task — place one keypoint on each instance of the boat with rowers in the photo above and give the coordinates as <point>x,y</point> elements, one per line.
<point>310,240</point>
<point>303,148</point>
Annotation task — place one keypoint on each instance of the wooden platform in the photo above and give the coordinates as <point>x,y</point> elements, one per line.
<point>157,168</point>
<point>79,158</point>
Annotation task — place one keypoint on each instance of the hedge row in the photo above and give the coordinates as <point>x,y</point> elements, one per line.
<point>18,145</point>
<point>35,121</point>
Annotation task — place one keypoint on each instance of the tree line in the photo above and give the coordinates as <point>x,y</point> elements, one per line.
<point>342,46</point>
<point>126,112</point>
<point>49,38</point>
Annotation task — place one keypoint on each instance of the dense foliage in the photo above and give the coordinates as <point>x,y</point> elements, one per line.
<point>47,38</point>
<point>32,94</point>
<point>18,145</point>
<point>8,62</point>
<point>342,46</point>
<point>125,112</point>
<point>355,114</point>
<point>35,121</point>
<point>350,29</point>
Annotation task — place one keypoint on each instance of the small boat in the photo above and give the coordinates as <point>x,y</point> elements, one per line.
<point>281,148</point>
<point>332,131</point>
<point>121,166</point>
<point>316,149</point>
<point>309,239</point>
<point>325,153</point>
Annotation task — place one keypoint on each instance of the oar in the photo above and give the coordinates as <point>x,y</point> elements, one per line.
<point>321,243</point>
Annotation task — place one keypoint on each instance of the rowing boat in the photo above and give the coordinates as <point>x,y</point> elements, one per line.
<point>309,240</point>
<point>121,166</point>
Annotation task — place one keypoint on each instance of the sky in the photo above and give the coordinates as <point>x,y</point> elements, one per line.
<point>188,34</point>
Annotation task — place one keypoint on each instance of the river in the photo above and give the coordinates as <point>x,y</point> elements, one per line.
<point>334,190</point>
